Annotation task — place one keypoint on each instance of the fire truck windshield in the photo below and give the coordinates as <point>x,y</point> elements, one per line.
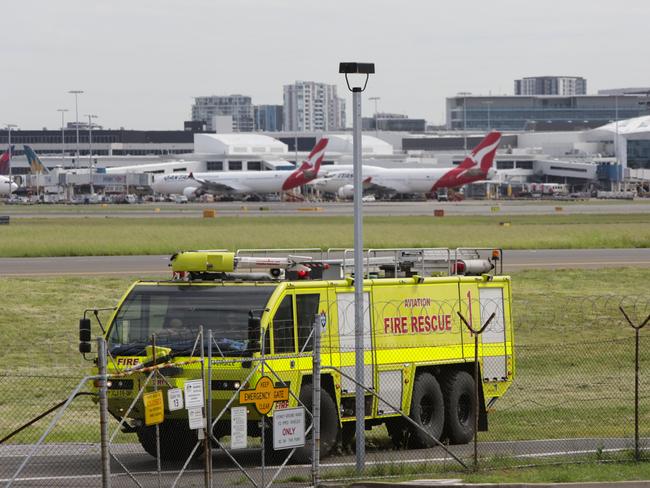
<point>175,313</point>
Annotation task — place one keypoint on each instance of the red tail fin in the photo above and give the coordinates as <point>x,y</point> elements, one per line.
<point>309,168</point>
<point>483,154</point>
<point>315,157</point>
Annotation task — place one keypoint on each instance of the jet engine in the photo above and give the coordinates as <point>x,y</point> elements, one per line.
<point>346,191</point>
<point>190,192</point>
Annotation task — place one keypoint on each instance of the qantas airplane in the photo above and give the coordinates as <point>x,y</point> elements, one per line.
<point>477,166</point>
<point>6,185</point>
<point>196,184</point>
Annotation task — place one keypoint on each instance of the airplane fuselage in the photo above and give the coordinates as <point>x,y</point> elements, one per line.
<point>238,181</point>
<point>7,186</point>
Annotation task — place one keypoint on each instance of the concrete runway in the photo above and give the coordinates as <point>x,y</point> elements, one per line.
<point>157,266</point>
<point>469,207</point>
<point>78,465</point>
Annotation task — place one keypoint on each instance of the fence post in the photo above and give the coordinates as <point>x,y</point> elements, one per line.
<point>637,330</point>
<point>315,409</point>
<point>208,413</point>
<point>103,412</point>
<point>476,333</point>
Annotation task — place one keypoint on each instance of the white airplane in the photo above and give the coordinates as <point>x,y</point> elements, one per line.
<point>195,184</point>
<point>477,166</point>
<point>5,183</point>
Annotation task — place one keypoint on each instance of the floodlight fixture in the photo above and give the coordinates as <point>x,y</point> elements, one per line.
<point>357,69</point>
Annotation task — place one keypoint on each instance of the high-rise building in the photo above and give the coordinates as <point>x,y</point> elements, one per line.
<point>311,106</point>
<point>551,85</point>
<point>268,118</point>
<point>239,107</point>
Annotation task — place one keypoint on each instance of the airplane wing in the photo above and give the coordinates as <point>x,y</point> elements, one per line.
<point>378,183</point>
<point>217,187</point>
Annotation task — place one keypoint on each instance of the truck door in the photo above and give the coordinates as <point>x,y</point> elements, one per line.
<point>345,306</point>
<point>493,339</point>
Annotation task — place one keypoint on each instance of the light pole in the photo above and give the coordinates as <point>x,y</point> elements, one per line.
<point>376,99</point>
<point>360,412</point>
<point>76,111</point>
<point>488,103</point>
<point>90,150</point>
<point>9,127</point>
<point>63,111</point>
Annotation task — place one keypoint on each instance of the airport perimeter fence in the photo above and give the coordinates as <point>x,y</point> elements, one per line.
<point>573,399</point>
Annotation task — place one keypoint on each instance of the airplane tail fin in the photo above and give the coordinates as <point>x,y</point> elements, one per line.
<point>5,160</point>
<point>315,158</point>
<point>483,154</point>
<point>309,168</point>
<point>35,162</point>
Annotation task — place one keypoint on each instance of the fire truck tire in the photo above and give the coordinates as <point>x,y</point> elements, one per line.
<point>427,410</point>
<point>460,408</point>
<point>329,419</point>
<point>176,440</point>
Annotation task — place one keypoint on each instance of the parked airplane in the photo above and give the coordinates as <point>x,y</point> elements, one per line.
<point>5,161</point>
<point>6,185</point>
<point>195,184</point>
<point>477,166</point>
<point>35,162</point>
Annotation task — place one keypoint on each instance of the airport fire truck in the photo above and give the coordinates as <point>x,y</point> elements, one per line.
<point>259,308</point>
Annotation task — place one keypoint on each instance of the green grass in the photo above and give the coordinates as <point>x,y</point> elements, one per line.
<point>98,235</point>
<point>574,353</point>
<point>598,466</point>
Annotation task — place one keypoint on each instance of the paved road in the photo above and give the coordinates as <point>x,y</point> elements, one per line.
<point>157,266</point>
<point>78,465</point>
<point>262,209</point>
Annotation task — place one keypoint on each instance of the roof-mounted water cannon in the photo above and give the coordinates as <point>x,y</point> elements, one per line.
<point>226,264</point>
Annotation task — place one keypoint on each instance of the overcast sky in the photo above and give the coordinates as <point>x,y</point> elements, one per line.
<point>140,62</point>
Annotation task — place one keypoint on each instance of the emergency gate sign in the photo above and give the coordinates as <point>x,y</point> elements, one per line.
<point>264,395</point>
<point>154,409</point>
<point>289,428</point>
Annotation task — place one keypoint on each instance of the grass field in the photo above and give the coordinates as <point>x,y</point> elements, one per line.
<point>72,236</point>
<point>574,351</point>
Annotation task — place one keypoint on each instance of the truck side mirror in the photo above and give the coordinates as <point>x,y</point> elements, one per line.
<point>84,336</point>
<point>254,329</point>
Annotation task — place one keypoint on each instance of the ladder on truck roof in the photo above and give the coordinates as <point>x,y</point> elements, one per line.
<point>394,262</point>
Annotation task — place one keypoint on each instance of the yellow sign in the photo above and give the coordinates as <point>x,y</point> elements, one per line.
<point>264,395</point>
<point>154,408</point>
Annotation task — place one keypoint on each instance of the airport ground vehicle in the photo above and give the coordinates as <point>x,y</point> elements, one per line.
<point>418,355</point>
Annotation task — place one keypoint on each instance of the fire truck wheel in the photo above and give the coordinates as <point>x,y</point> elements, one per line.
<point>427,410</point>
<point>176,440</point>
<point>329,418</point>
<point>460,407</point>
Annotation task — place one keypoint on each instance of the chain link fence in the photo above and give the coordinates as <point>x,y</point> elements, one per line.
<point>572,398</point>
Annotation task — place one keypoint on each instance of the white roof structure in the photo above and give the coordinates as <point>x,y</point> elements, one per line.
<point>636,128</point>
<point>620,132</point>
<point>342,143</point>
<point>238,143</point>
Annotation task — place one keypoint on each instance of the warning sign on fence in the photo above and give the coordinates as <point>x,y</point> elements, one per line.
<point>154,409</point>
<point>289,428</point>
<point>264,395</point>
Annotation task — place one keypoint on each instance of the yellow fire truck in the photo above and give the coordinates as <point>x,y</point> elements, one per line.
<point>419,357</point>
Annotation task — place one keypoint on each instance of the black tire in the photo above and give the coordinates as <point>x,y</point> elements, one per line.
<point>460,407</point>
<point>176,440</point>
<point>329,427</point>
<point>398,431</point>
<point>427,410</point>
